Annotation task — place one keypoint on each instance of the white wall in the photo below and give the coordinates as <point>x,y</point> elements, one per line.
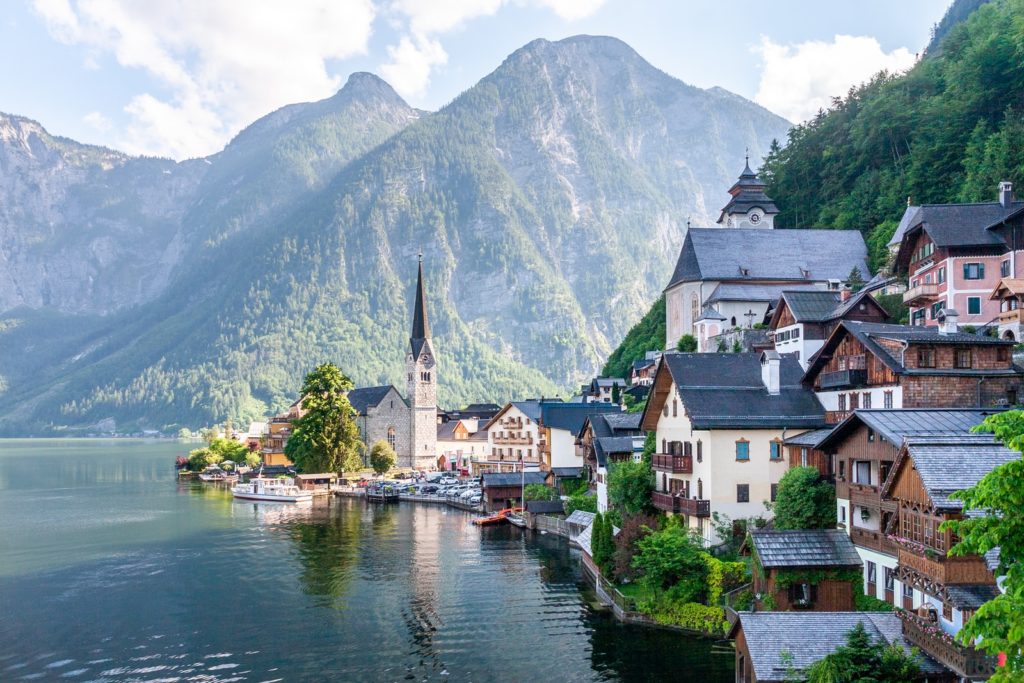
<point>805,347</point>
<point>563,449</point>
<point>830,399</point>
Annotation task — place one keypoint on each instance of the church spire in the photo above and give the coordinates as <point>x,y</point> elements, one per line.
<point>420,324</point>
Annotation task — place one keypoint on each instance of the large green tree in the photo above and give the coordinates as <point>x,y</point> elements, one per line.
<point>629,487</point>
<point>673,557</point>
<point>861,660</point>
<point>326,437</point>
<point>998,625</point>
<point>382,456</point>
<point>804,500</point>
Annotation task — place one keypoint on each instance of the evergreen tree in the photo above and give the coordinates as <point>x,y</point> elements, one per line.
<point>326,437</point>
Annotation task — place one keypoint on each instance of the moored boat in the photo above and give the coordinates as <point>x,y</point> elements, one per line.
<point>272,490</point>
<point>516,519</point>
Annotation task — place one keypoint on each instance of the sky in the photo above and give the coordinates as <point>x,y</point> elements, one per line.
<point>180,79</point>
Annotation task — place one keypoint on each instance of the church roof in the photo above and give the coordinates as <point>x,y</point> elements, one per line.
<point>754,254</point>
<point>420,322</point>
<point>364,398</point>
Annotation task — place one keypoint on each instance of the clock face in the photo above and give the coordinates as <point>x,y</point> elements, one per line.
<point>754,217</point>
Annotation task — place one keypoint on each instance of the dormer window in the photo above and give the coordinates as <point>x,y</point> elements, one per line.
<point>744,272</point>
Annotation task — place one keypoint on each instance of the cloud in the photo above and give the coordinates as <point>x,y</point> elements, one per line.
<point>418,52</point>
<point>215,67</point>
<point>98,121</point>
<point>798,80</point>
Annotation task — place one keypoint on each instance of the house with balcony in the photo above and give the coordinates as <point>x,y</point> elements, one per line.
<point>940,590</point>
<point>459,444</point>
<point>560,425</point>
<point>803,569</point>
<point>275,437</point>
<point>603,390</point>
<point>953,255</point>
<point>513,439</point>
<point>605,439</point>
<point>804,319</point>
<point>1009,294</point>
<point>777,647</point>
<point>862,450</point>
<point>642,371</point>
<point>721,421</point>
<point>876,365</point>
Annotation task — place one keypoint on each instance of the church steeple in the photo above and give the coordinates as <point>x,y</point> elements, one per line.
<point>749,206</point>
<point>420,323</point>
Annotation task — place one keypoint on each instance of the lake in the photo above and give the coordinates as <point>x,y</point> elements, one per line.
<point>110,570</point>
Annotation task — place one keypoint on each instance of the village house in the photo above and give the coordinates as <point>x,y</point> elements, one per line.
<point>560,424</point>
<point>804,569</point>
<point>804,319</point>
<point>953,255</point>
<point>505,489</point>
<point>459,444</point>
<point>603,390</point>
<point>940,590</point>
<point>875,365</point>
<point>605,439</point>
<point>1009,293</point>
<point>862,450</point>
<point>776,647</point>
<point>744,264</point>
<point>513,439</point>
<point>721,421</point>
<point>279,428</point>
<point>641,373</point>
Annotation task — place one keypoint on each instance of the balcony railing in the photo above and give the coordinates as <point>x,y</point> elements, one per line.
<point>695,507</point>
<point>836,416</point>
<point>665,501</point>
<point>929,637</point>
<point>875,540</point>
<point>921,294</point>
<point>1010,317</point>
<point>676,464</point>
<point>841,379</point>
<point>948,571</point>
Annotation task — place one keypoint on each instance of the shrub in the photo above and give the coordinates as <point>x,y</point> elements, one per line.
<point>631,530</point>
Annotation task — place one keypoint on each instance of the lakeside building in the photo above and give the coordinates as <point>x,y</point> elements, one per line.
<point>603,390</point>
<point>876,365</point>
<point>720,422</point>
<point>953,256</point>
<point>803,569</point>
<point>513,439</point>
<point>459,444</point>
<point>728,277</point>
<point>605,439</point>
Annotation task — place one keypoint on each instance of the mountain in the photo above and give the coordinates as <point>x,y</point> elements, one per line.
<point>548,199</point>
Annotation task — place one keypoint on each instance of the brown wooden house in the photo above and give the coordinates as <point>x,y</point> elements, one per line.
<point>505,489</point>
<point>872,365</point>
<point>806,569</point>
<point>802,451</point>
<point>945,590</point>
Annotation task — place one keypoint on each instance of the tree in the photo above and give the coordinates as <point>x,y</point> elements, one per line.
<point>539,492</point>
<point>326,437</point>
<point>804,500</point>
<point>861,660</point>
<point>650,445</point>
<point>629,486</point>
<point>687,344</point>
<point>672,557</point>
<point>998,625</point>
<point>737,346</point>
<point>633,529</point>
<point>382,456</point>
<point>616,394</point>
<point>217,451</point>
<point>855,280</point>
<point>597,550</point>
<point>184,433</point>
<point>581,500</point>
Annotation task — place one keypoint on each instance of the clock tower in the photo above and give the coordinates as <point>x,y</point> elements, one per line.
<point>421,383</point>
<point>749,207</point>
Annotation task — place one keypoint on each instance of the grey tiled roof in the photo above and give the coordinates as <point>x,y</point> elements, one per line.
<point>753,292</point>
<point>567,472</point>
<point>804,548</point>
<point>971,597</point>
<point>953,465</point>
<point>581,517</point>
<point>367,397</point>
<point>721,253</point>
<point>622,421</point>
<point>811,305</point>
<point>530,408</point>
<point>811,636</point>
<point>896,425</point>
<point>724,390</point>
<point>956,225</point>
<point>810,439</point>
<point>545,507</point>
<point>512,478</point>
<point>609,445</point>
<point>571,416</point>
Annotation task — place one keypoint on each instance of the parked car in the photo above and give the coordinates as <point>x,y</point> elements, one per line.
<point>428,489</point>
<point>476,499</point>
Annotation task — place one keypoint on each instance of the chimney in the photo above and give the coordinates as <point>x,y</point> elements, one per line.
<point>770,362</point>
<point>1005,194</point>
<point>947,321</point>
<point>844,295</point>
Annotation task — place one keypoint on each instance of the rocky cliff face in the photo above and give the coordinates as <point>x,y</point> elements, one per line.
<point>549,200</point>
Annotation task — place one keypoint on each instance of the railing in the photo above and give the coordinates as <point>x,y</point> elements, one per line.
<point>948,571</point>
<point>676,464</point>
<point>836,416</point>
<point>843,378</point>
<point>553,525</point>
<point>665,501</point>
<point>1014,316</point>
<point>695,507</point>
<point>928,290</point>
<point>875,540</point>
<point>500,440</point>
<point>869,496</point>
<point>963,659</point>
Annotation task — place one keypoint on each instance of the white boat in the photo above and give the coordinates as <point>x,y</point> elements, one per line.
<point>516,519</point>
<point>276,490</point>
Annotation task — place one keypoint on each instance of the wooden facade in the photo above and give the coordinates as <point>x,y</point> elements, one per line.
<point>805,456</point>
<point>828,595</point>
<point>865,369</point>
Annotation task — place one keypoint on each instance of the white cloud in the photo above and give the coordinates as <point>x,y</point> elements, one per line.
<point>572,10</point>
<point>98,121</point>
<point>412,60</point>
<point>216,66</point>
<point>798,80</point>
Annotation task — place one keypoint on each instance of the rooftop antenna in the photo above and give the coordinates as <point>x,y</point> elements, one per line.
<point>421,256</point>
<point>687,222</point>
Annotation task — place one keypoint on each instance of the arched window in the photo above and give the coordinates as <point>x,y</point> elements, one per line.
<point>675,407</point>
<point>694,309</point>
<point>700,489</point>
<point>391,437</point>
<point>733,321</point>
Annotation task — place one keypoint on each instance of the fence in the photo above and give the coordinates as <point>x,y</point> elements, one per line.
<point>552,525</point>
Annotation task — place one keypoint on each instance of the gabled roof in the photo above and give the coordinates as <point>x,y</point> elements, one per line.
<point>820,305</point>
<point>1008,286</point>
<point>950,464</point>
<point>529,407</point>
<point>500,479</point>
<point>364,398</point>
<point>809,439</point>
<point>897,425</point>
<point>545,507</point>
<point>571,416</point>
<point>611,445</point>
<point>643,363</point>
<point>725,391</point>
<point>808,637</point>
<point>954,225</point>
<point>793,255</point>
<point>804,548</point>
<point>869,334</point>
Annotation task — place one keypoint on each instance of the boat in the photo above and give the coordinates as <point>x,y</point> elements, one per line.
<point>213,473</point>
<point>516,519</point>
<point>497,517</point>
<point>281,490</point>
<point>381,494</point>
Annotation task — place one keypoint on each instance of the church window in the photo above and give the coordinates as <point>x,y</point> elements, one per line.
<point>391,437</point>
<point>694,308</point>
<point>732,321</point>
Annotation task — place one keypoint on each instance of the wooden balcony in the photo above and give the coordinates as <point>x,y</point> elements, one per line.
<point>513,440</point>
<point>1016,316</point>
<point>676,464</point>
<point>665,501</point>
<point>929,637</point>
<point>695,507</point>
<point>868,496</point>
<point>947,571</point>
<point>843,379</point>
<point>836,416</point>
<point>874,540</point>
<point>922,294</point>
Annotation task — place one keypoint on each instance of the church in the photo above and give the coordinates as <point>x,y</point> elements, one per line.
<point>409,423</point>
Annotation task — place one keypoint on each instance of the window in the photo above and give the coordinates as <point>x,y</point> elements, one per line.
<point>924,251</point>
<point>974,305</point>
<point>942,275</point>
<point>694,308</point>
<point>743,450</point>
<point>803,456</point>
<point>1002,353</point>
<point>664,446</point>
<point>1004,268</point>
<point>936,307</point>
<point>862,472</point>
<point>842,515</point>
<point>872,572</point>
<point>865,401</point>
<point>796,333</point>
<point>871,434</point>
<point>917,317</point>
<point>675,407</point>
<point>1011,396</point>
<point>391,437</point>
<point>947,611</point>
<point>775,491</point>
<point>842,469</point>
<point>926,357</point>
<point>842,402</point>
<point>962,358</point>
<point>664,411</point>
<point>700,451</point>
<point>908,591</point>
<point>974,271</point>
<point>854,401</point>
<point>887,400</point>
<point>742,493</point>
<point>775,450</point>
<point>802,594</point>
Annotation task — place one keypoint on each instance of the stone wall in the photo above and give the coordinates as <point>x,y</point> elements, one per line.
<point>391,413</point>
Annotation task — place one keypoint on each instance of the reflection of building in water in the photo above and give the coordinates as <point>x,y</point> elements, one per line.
<point>421,616</point>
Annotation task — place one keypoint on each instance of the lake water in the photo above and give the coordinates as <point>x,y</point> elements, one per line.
<point>112,571</point>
